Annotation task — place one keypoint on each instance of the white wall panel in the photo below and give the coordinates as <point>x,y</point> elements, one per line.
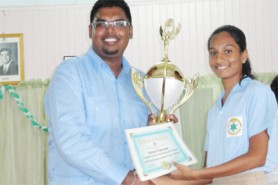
<point>51,32</point>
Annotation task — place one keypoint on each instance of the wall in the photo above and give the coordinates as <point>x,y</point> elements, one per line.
<point>53,31</point>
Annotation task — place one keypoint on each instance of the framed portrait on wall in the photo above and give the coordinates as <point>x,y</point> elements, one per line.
<point>11,59</point>
<point>68,57</point>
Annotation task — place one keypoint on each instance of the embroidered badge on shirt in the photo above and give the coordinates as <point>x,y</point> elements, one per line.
<point>234,127</point>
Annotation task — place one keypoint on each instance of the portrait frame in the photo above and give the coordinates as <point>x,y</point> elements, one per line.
<point>11,45</point>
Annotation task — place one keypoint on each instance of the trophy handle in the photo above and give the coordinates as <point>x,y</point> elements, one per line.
<point>137,83</point>
<point>192,85</point>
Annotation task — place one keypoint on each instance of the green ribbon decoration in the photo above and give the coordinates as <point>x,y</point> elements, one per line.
<point>2,90</point>
<point>21,105</point>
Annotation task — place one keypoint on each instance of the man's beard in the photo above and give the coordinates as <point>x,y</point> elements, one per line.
<point>108,52</point>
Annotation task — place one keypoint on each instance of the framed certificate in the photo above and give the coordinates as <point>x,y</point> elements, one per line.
<point>155,148</point>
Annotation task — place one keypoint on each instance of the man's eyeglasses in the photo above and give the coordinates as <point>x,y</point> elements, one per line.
<point>105,24</point>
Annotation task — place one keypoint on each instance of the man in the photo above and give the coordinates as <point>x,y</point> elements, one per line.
<point>9,66</point>
<point>90,102</point>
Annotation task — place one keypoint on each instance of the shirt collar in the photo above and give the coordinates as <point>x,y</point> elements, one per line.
<point>238,87</point>
<point>244,82</point>
<point>7,65</point>
<point>98,63</point>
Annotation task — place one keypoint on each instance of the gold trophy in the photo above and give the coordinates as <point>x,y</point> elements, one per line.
<point>164,84</point>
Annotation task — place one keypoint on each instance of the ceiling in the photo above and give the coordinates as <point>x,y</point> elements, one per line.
<point>17,3</point>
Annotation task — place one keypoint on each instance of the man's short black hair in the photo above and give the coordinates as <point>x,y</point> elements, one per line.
<point>110,3</point>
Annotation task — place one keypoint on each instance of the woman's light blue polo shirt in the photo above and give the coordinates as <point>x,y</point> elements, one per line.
<point>249,110</point>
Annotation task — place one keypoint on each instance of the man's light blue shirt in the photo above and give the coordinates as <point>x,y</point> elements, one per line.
<point>249,110</point>
<point>89,110</point>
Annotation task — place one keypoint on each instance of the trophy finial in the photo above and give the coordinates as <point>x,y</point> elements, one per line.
<point>169,32</point>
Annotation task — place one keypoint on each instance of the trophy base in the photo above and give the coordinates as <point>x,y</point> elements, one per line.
<point>161,118</point>
<point>157,121</point>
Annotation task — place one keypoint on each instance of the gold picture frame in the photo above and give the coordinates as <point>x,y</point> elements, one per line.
<point>68,57</point>
<point>11,59</point>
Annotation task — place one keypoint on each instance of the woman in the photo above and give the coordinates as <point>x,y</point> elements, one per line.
<point>272,178</point>
<point>274,87</point>
<point>240,123</point>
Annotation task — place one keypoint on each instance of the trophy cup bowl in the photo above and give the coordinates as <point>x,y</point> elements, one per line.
<point>164,84</point>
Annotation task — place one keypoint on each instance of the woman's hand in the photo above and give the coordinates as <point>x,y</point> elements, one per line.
<point>167,180</point>
<point>183,172</point>
<point>172,118</point>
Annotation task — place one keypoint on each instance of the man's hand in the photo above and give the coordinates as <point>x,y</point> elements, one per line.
<point>129,179</point>
<point>133,179</point>
<point>171,117</point>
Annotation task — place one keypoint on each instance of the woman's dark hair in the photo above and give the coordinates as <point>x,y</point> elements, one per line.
<point>240,39</point>
<point>110,3</point>
<point>274,87</point>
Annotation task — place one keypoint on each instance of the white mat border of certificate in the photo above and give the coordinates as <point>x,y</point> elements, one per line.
<point>156,129</point>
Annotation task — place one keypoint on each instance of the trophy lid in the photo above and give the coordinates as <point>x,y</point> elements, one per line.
<point>165,69</point>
